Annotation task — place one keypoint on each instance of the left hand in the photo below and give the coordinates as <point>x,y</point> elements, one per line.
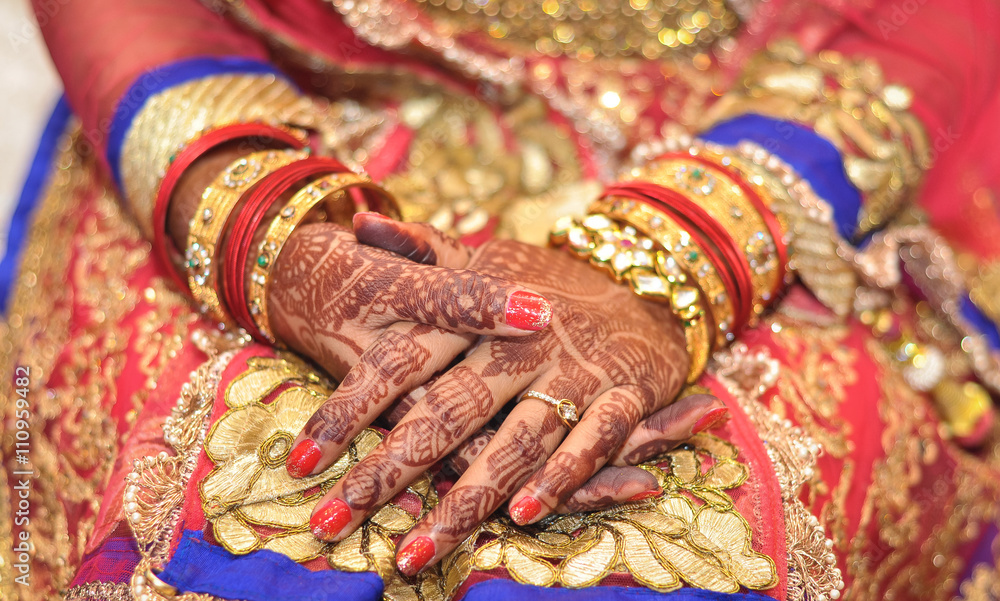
<point>617,357</point>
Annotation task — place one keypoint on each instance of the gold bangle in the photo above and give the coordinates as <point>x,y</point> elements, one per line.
<point>217,203</point>
<point>682,254</point>
<point>725,201</point>
<point>324,189</point>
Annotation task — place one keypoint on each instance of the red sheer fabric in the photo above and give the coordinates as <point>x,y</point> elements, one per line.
<point>948,53</point>
<point>101,46</point>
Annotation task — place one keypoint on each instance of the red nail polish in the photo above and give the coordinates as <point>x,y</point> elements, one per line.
<point>644,495</point>
<point>713,419</point>
<point>371,214</point>
<point>330,519</point>
<point>528,311</point>
<point>303,459</point>
<point>415,555</point>
<point>525,510</point>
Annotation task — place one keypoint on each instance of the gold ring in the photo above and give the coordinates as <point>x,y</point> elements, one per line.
<point>565,408</point>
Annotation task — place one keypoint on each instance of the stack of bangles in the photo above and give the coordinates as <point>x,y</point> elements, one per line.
<point>227,262</point>
<point>691,230</point>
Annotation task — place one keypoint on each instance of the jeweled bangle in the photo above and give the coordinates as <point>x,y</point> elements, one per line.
<point>190,152</point>
<point>725,201</point>
<point>761,200</point>
<point>685,256</point>
<point>324,189</point>
<point>248,219</point>
<point>209,222</point>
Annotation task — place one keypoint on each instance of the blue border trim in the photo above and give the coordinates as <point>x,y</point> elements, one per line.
<point>161,78</point>
<point>201,567</point>
<point>980,321</point>
<point>508,590</point>
<point>31,192</point>
<point>812,156</point>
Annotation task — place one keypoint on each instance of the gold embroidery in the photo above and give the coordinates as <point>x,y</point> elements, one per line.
<point>692,533</point>
<point>812,571</point>
<point>77,264</point>
<point>814,378</point>
<point>156,485</point>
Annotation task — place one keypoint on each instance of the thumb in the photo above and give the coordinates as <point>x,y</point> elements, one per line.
<point>418,242</point>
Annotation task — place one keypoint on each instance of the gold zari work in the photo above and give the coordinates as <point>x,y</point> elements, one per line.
<point>692,534</point>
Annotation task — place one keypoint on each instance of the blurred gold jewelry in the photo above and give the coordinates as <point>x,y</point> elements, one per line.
<point>884,147</point>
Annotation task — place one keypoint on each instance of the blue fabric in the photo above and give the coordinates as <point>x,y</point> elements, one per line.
<point>201,567</point>
<point>161,78</point>
<point>31,193</point>
<point>508,590</point>
<point>980,321</point>
<point>813,158</point>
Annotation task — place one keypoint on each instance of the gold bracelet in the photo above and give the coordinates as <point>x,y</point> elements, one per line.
<point>650,271</point>
<point>207,226</point>
<point>683,255</point>
<point>725,201</point>
<point>329,188</point>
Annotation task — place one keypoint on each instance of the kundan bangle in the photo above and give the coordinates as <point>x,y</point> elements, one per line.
<point>257,201</point>
<point>334,187</point>
<point>188,154</point>
<point>209,222</point>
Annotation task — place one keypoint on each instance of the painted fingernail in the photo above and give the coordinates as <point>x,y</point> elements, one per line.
<point>330,520</point>
<point>528,311</point>
<point>645,495</point>
<point>713,419</point>
<point>525,510</point>
<point>371,214</point>
<point>415,555</point>
<point>303,459</point>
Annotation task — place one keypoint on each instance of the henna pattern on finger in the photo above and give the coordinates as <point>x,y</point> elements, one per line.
<point>609,486</point>
<point>467,452</point>
<point>370,483</point>
<point>463,509</point>
<point>651,449</point>
<point>566,471</point>
<point>390,361</point>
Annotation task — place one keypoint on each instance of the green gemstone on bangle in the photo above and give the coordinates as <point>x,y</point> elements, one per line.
<point>262,260</point>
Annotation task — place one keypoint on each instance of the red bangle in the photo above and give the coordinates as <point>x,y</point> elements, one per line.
<point>773,227</point>
<point>254,206</point>
<point>186,157</point>
<point>688,211</point>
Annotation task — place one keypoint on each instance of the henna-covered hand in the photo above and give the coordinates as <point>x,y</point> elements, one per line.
<point>375,319</point>
<point>617,357</point>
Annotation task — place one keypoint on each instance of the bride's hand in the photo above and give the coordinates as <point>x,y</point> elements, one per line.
<point>617,357</point>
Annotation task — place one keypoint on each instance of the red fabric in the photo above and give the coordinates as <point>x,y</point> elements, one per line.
<point>948,53</point>
<point>100,47</point>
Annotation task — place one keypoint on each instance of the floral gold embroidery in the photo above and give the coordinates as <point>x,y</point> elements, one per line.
<point>691,534</point>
